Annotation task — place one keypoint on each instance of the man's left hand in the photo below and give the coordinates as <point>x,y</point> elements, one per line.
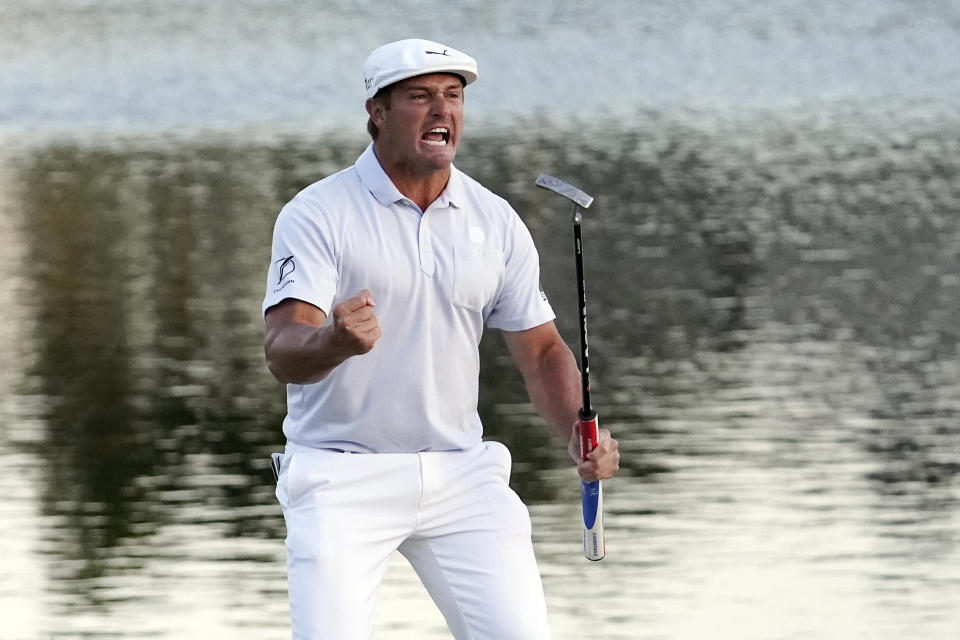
<point>601,463</point>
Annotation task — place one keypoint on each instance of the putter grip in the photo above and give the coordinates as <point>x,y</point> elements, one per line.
<point>589,430</point>
<point>591,493</point>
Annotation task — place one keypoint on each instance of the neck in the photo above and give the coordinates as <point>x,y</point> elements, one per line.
<point>421,185</point>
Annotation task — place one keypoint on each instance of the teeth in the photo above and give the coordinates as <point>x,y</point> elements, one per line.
<point>438,143</point>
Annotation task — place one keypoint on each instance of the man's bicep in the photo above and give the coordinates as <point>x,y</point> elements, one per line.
<point>530,346</point>
<point>292,311</point>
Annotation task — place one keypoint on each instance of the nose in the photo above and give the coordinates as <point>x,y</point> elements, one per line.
<point>441,105</point>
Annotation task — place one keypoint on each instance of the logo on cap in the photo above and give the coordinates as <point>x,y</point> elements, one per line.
<point>438,53</point>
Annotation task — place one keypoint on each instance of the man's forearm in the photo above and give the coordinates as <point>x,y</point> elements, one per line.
<point>554,389</point>
<point>302,354</point>
<point>552,380</point>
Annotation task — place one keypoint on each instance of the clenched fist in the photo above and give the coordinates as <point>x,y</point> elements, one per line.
<point>355,328</point>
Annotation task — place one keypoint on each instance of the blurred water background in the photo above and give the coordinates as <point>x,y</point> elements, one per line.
<point>772,273</point>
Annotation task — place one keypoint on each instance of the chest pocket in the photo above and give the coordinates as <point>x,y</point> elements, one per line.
<point>477,275</point>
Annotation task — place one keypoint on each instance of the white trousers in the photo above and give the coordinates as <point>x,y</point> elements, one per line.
<point>453,516</point>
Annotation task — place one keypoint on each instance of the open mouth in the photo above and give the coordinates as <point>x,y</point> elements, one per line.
<point>437,137</point>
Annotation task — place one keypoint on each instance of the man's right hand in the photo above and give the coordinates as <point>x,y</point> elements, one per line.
<point>355,328</point>
<point>302,346</point>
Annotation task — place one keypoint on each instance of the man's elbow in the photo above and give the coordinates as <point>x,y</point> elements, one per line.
<point>278,372</point>
<point>275,363</point>
<point>280,362</point>
<point>289,368</point>
<point>556,354</point>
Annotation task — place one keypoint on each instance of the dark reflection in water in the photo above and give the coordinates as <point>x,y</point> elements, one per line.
<point>775,297</point>
<point>147,346</point>
<point>98,441</point>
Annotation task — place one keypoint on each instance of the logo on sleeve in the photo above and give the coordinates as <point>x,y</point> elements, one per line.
<point>285,267</point>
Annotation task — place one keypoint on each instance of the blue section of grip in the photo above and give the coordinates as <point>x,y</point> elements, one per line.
<point>589,498</point>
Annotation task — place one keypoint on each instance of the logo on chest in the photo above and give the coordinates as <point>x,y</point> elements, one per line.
<point>476,235</point>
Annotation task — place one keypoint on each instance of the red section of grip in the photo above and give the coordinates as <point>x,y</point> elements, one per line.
<point>588,430</point>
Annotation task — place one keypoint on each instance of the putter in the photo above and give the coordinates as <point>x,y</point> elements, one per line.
<point>591,493</point>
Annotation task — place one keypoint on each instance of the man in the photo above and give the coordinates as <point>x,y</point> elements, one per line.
<point>382,278</point>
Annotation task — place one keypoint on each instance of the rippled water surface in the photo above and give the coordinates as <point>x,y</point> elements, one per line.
<point>773,271</point>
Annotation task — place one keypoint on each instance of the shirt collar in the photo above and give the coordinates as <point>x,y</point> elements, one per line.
<point>376,180</point>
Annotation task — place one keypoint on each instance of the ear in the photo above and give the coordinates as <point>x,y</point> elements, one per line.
<point>375,110</point>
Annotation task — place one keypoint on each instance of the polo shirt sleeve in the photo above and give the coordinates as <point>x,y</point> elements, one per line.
<point>522,304</point>
<point>303,263</point>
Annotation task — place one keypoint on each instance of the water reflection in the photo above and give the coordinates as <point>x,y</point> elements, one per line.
<point>97,442</point>
<point>774,338</point>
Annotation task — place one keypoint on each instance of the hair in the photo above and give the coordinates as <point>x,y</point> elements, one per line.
<point>383,97</point>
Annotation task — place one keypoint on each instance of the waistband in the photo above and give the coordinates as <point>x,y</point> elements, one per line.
<point>293,447</point>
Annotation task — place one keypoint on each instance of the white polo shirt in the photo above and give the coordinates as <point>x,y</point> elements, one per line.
<point>436,278</point>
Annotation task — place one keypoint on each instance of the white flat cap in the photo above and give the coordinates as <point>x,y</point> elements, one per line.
<point>407,58</point>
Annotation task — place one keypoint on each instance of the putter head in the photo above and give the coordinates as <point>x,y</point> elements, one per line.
<point>566,190</point>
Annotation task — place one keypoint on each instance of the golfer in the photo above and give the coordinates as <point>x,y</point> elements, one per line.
<point>382,278</point>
